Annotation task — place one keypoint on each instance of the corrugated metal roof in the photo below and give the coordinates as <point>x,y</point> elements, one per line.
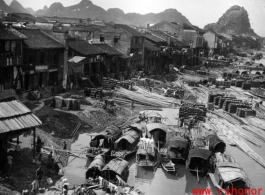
<point>19,122</point>
<point>12,108</point>
<point>15,116</point>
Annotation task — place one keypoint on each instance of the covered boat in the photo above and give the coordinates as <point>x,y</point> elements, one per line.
<point>177,147</point>
<point>95,167</point>
<point>158,131</point>
<point>199,160</point>
<point>126,144</point>
<point>215,143</point>
<point>103,142</point>
<point>147,153</point>
<point>115,167</point>
<point>229,176</point>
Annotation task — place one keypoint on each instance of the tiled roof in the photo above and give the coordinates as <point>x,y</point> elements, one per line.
<point>150,46</point>
<point>16,116</point>
<point>7,33</point>
<point>187,27</point>
<point>80,28</point>
<point>85,48</point>
<point>110,50</point>
<point>130,30</point>
<point>154,38</point>
<point>38,39</point>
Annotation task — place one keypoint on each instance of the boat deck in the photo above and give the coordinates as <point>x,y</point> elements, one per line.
<point>97,151</point>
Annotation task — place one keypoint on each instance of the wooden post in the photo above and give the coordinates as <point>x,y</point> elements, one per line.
<point>34,142</point>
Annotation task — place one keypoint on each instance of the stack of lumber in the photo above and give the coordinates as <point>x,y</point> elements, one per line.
<point>145,98</point>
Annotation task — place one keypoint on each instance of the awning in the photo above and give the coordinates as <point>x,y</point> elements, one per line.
<point>76,59</point>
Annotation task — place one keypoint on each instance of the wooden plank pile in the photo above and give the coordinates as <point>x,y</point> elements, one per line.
<point>144,97</point>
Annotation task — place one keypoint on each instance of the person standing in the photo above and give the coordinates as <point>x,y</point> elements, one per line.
<point>38,96</point>
<point>39,174</point>
<point>17,150</point>
<point>132,104</point>
<point>9,162</point>
<point>64,145</point>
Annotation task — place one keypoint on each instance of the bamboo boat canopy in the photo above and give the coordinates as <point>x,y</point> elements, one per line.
<point>116,165</point>
<point>111,132</point>
<point>146,146</point>
<point>176,141</point>
<point>214,140</point>
<point>156,126</point>
<point>131,136</point>
<point>200,153</point>
<point>98,162</point>
<point>231,172</point>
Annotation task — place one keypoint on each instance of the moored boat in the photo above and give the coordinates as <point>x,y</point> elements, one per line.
<point>177,147</point>
<point>102,143</point>
<point>126,144</point>
<point>167,165</point>
<point>95,167</point>
<point>199,161</point>
<point>147,153</point>
<point>115,167</point>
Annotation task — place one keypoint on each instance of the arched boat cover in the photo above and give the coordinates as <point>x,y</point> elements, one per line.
<point>155,126</point>
<point>199,153</point>
<point>98,162</point>
<point>111,132</point>
<point>131,136</point>
<point>176,141</point>
<point>214,140</point>
<point>116,165</point>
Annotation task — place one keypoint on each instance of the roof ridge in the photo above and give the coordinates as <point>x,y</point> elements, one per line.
<point>51,37</point>
<point>158,37</point>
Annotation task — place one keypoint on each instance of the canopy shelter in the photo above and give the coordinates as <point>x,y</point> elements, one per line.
<point>177,146</point>
<point>128,141</point>
<point>198,160</point>
<point>95,167</point>
<point>231,174</point>
<point>115,167</point>
<point>215,143</point>
<point>15,119</point>
<point>158,131</point>
<point>109,135</point>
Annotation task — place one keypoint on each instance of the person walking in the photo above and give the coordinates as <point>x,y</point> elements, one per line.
<point>38,96</point>
<point>9,162</point>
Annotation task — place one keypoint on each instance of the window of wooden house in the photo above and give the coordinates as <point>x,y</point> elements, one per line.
<point>2,48</point>
<point>13,47</point>
<point>42,58</point>
<point>140,40</point>
<point>18,48</point>
<point>7,46</point>
<point>116,39</point>
<point>136,40</point>
<point>102,38</point>
<point>55,59</point>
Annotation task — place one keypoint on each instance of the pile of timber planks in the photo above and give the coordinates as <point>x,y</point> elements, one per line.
<point>144,97</point>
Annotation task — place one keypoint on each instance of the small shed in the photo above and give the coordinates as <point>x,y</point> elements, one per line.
<point>15,119</point>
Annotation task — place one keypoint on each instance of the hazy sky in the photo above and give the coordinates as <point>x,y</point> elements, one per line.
<point>199,12</point>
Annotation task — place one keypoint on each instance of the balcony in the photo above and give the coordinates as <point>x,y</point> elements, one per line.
<point>10,61</point>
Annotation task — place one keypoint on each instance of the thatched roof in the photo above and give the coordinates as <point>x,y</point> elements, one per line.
<point>176,141</point>
<point>199,153</point>
<point>98,162</point>
<point>131,136</point>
